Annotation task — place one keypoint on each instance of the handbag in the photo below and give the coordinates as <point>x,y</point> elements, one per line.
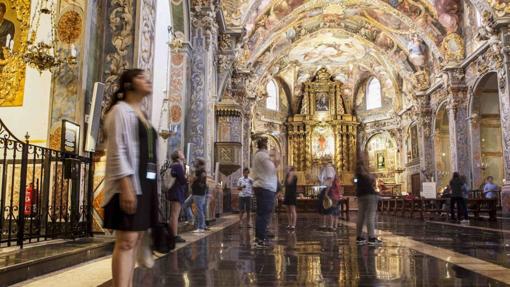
<point>327,203</point>
<point>167,179</point>
<point>163,239</point>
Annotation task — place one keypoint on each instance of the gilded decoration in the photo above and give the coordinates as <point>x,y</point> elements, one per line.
<point>501,7</point>
<point>421,80</point>
<point>453,48</point>
<point>69,27</point>
<point>12,48</point>
<point>323,131</point>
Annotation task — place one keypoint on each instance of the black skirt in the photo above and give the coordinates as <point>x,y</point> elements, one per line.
<point>147,205</point>
<point>143,219</point>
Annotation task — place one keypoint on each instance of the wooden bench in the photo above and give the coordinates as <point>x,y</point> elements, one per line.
<point>434,207</point>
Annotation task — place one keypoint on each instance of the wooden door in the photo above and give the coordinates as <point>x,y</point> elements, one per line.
<point>415,184</point>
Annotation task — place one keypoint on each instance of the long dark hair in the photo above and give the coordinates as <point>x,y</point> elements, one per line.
<point>125,84</point>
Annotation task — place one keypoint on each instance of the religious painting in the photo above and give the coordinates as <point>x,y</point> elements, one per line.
<point>322,102</point>
<point>382,154</point>
<point>328,48</point>
<point>381,163</point>
<point>323,142</point>
<point>14,19</point>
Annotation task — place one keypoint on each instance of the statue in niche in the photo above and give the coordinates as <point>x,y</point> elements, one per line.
<point>322,102</point>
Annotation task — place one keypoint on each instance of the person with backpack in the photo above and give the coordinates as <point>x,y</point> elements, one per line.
<point>176,192</point>
<point>335,193</point>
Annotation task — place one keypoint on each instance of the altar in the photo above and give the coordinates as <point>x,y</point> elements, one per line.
<point>323,132</point>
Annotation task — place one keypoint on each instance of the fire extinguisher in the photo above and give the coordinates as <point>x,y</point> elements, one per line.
<point>30,200</point>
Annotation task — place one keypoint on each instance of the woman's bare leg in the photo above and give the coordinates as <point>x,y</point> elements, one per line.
<point>294,215</point>
<point>289,215</point>
<point>174,216</point>
<point>124,256</point>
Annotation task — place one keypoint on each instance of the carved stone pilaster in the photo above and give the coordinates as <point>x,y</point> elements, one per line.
<point>200,117</point>
<point>239,91</point>
<point>145,43</point>
<point>457,121</point>
<point>504,99</point>
<point>180,86</point>
<point>425,139</point>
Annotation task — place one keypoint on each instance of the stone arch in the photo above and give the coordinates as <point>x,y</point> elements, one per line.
<point>485,130</point>
<point>441,143</point>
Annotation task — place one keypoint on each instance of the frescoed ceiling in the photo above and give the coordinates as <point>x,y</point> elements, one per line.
<point>292,39</point>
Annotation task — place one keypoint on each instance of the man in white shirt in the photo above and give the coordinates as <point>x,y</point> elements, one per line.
<point>265,184</point>
<point>245,186</point>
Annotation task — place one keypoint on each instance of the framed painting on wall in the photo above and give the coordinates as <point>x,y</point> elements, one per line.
<point>14,22</point>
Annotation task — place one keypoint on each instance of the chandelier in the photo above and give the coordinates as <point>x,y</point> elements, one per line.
<point>42,55</point>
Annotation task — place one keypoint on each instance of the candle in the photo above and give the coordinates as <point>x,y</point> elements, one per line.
<point>7,42</point>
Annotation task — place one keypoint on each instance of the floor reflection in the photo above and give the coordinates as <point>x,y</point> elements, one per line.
<point>305,257</point>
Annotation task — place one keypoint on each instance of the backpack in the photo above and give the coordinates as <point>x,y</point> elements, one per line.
<point>167,178</point>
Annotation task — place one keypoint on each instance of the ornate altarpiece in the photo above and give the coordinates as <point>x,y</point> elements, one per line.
<point>323,131</point>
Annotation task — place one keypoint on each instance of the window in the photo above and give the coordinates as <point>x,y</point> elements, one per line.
<point>373,94</point>
<point>272,96</point>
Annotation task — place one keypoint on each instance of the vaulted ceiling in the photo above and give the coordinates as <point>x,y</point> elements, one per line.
<point>292,39</point>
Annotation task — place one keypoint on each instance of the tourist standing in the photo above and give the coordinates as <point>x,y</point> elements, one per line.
<point>199,192</point>
<point>335,193</point>
<point>291,197</point>
<point>326,177</point>
<point>465,197</point>
<point>177,193</point>
<point>265,184</point>
<point>245,186</point>
<point>130,202</point>
<point>367,205</point>
<point>490,190</point>
<point>457,197</point>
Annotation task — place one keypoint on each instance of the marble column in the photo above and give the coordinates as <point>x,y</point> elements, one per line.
<point>200,124</point>
<point>425,138</point>
<point>504,105</point>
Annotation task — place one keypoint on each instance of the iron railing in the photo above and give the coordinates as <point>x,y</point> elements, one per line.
<point>44,193</point>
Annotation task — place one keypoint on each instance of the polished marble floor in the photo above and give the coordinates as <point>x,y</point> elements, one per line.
<point>308,257</point>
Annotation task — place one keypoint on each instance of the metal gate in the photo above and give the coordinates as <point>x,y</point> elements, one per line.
<point>44,193</point>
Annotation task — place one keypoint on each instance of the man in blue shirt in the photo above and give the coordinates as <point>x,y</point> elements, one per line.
<point>490,189</point>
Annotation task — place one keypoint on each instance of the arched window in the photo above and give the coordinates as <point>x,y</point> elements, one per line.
<point>373,95</point>
<point>272,96</point>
